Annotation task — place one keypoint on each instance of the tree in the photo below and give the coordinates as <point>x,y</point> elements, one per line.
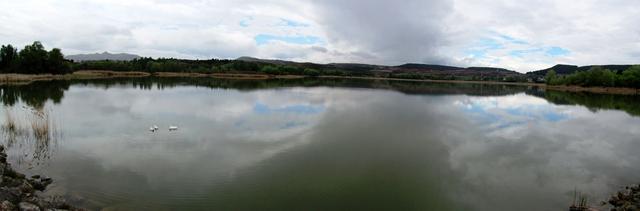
<point>33,58</point>
<point>311,72</point>
<point>56,63</point>
<point>268,69</point>
<point>598,76</point>
<point>8,57</point>
<point>551,77</point>
<point>630,77</point>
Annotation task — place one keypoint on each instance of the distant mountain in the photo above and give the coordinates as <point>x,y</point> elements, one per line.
<point>409,68</point>
<point>103,56</point>
<point>341,66</point>
<point>427,67</point>
<point>269,61</point>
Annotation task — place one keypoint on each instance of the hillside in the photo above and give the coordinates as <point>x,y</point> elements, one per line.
<point>409,70</point>
<point>102,56</point>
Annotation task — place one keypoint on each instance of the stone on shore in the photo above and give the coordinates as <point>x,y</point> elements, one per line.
<point>17,192</point>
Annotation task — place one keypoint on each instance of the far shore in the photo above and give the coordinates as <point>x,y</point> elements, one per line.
<point>18,79</point>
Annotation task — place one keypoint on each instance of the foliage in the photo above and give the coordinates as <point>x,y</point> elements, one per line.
<point>597,76</point>
<point>8,57</point>
<point>551,78</point>
<point>630,77</point>
<point>56,63</point>
<point>33,59</point>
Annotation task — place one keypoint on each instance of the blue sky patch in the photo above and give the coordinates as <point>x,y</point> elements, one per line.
<point>512,40</point>
<point>521,53</point>
<point>483,46</point>
<point>262,39</point>
<point>291,23</point>
<point>515,47</point>
<point>245,22</point>
<point>557,51</point>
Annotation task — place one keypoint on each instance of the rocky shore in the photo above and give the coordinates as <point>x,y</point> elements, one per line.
<point>626,200</point>
<point>18,192</point>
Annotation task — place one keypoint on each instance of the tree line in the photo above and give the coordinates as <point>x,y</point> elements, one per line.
<point>597,76</point>
<point>33,59</point>
<point>209,66</point>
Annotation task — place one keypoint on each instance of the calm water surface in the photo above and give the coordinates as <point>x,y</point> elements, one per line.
<point>323,144</point>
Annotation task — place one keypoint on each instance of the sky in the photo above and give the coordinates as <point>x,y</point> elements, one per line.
<point>519,35</point>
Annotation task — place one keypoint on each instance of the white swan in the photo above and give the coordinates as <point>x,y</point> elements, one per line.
<point>173,128</point>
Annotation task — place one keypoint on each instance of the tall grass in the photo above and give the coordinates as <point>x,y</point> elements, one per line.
<point>41,125</point>
<point>31,131</point>
<point>10,122</point>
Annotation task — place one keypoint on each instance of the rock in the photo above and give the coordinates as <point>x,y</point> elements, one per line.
<point>20,175</point>
<point>629,199</point>
<point>26,187</point>
<point>6,205</point>
<point>15,188</point>
<point>46,179</point>
<point>10,182</point>
<point>10,195</point>
<point>38,185</point>
<point>26,206</point>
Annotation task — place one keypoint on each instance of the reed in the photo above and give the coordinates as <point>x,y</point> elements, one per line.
<point>10,124</point>
<point>41,125</point>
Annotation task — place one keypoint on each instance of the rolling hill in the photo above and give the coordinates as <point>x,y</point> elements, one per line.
<point>102,56</point>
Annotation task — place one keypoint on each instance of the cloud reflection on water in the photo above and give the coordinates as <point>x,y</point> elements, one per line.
<point>340,144</point>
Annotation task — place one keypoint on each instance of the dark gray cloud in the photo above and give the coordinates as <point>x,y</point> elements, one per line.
<point>394,32</point>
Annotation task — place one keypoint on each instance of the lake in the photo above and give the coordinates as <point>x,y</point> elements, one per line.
<point>321,144</point>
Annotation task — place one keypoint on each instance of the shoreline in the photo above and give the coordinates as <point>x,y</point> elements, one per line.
<point>21,79</point>
<point>19,192</point>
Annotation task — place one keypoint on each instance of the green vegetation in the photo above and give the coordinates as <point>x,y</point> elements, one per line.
<point>33,59</point>
<point>489,76</point>
<point>597,76</point>
<point>207,66</point>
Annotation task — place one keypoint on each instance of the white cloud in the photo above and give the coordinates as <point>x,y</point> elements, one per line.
<point>382,32</point>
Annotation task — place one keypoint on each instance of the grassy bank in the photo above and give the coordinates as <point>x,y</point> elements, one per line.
<point>99,74</point>
<point>13,78</point>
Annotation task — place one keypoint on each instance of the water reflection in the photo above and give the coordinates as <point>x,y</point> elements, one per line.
<point>334,144</point>
<point>595,102</point>
<point>38,93</point>
<point>35,94</point>
<point>31,132</point>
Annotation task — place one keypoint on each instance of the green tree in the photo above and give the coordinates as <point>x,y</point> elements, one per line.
<point>551,78</point>
<point>630,77</point>
<point>56,63</point>
<point>311,72</point>
<point>598,76</point>
<point>268,69</point>
<point>33,58</point>
<point>8,58</point>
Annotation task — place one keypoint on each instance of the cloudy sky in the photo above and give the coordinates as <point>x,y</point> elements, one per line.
<point>520,35</point>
